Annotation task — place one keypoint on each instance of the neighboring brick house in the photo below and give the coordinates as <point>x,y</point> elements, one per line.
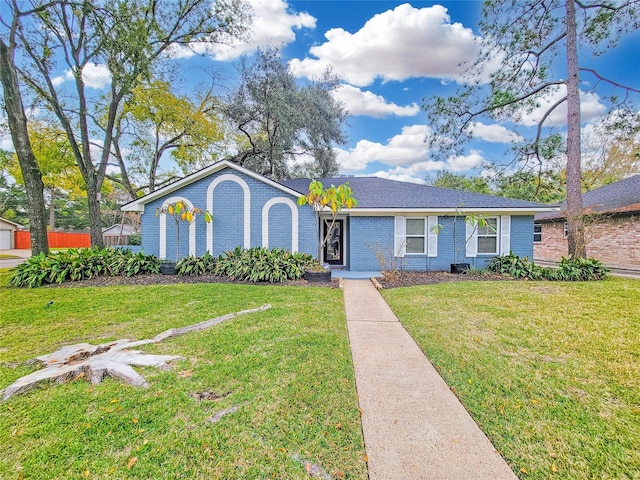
<point>393,219</point>
<point>612,229</point>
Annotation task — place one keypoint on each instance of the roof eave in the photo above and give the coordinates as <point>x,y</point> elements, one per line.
<point>138,204</point>
<point>450,210</point>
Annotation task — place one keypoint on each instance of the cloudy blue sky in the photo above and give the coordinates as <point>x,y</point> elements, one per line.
<point>390,56</point>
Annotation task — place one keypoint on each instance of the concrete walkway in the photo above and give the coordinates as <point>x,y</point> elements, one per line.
<point>21,256</point>
<point>413,426</point>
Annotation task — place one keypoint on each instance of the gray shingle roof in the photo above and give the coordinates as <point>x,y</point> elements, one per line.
<point>618,197</point>
<point>374,192</point>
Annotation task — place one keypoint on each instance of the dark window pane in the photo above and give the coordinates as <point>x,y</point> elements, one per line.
<point>415,244</point>
<point>415,226</point>
<point>491,228</point>
<point>487,245</point>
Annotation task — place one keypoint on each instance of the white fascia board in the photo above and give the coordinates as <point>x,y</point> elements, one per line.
<point>375,212</point>
<point>138,205</point>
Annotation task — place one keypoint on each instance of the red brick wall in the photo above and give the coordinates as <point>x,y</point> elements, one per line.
<point>553,246</point>
<point>611,240</point>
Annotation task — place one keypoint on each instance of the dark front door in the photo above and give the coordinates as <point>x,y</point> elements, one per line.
<point>334,249</point>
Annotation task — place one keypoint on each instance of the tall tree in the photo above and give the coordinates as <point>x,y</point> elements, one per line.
<point>446,179</point>
<point>60,174</point>
<point>155,121</point>
<point>17,120</point>
<point>120,39</point>
<point>528,37</point>
<point>281,121</point>
<point>535,186</point>
<point>608,156</point>
<point>13,199</point>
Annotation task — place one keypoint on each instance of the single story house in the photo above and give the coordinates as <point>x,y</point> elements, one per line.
<point>7,233</point>
<point>395,225</point>
<point>612,226</point>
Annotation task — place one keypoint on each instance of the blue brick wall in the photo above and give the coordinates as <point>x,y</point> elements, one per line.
<point>371,238</point>
<point>368,237</point>
<point>522,236</point>
<point>280,235</point>
<point>228,222</point>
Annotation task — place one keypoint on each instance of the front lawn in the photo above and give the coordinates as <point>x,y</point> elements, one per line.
<point>288,369</point>
<point>550,371</point>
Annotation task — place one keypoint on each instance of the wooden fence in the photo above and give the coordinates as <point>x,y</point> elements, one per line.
<point>56,239</point>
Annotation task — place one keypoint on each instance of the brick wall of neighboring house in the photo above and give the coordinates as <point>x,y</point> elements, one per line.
<point>553,245</point>
<point>614,240</point>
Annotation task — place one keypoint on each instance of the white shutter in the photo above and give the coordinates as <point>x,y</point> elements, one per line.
<point>399,244</point>
<point>505,234</point>
<point>471,240</point>
<point>432,235</point>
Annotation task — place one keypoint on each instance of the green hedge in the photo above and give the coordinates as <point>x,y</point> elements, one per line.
<point>253,265</point>
<point>81,263</point>
<point>263,265</point>
<point>569,269</point>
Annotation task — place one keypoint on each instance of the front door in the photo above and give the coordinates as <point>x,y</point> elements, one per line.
<point>334,249</point>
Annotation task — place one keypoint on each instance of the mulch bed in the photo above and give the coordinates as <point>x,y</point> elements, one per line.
<point>407,279</point>
<point>390,280</point>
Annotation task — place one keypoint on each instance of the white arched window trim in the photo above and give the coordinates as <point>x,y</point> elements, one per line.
<point>163,228</point>
<point>294,221</point>
<point>229,177</point>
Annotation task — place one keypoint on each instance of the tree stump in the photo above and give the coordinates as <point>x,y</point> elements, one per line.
<point>112,359</point>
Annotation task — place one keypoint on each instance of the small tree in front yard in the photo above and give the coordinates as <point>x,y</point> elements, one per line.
<point>332,198</point>
<point>180,212</point>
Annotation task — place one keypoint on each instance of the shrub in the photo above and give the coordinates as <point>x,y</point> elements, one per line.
<point>516,267</point>
<point>79,264</point>
<point>263,265</point>
<point>135,239</point>
<point>578,270</point>
<point>203,265</point>
<point>476,272</point>
<point>569,270</point>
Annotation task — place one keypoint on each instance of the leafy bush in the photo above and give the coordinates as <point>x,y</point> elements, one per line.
<point>476,272</point>
<point>516,267</point>
<point>569,270</point>
<point>79,264</point>
<point>262,265</point>
<point>203,265</point>
<point>577,270</point>
<point>135,239</point>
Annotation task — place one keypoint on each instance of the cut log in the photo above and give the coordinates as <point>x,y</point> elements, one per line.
<point>112,359</point>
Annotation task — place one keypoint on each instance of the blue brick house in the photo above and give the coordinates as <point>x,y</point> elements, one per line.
<point>395,225</point>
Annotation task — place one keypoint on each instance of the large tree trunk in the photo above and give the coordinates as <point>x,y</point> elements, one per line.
<point>28,165</point>
<point>577,247</point>
<point>95,224</point>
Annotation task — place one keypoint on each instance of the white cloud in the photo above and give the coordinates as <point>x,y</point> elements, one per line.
<point>590,109</point>
<point>395,45</point>
<point>413,173</point>
<point>370,104</point>
<point>406,148</point>
<point>494,133</point>
<point>273,25</point>
<point>94,75</point>
<point>463,163</point>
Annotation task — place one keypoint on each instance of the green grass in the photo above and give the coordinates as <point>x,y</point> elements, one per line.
<point>6,256</point>
<point>4,276</point>
<point>289,368</point>
<point>550,371</point>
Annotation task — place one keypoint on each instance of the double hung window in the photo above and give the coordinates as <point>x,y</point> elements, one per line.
<point>488,236</point>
